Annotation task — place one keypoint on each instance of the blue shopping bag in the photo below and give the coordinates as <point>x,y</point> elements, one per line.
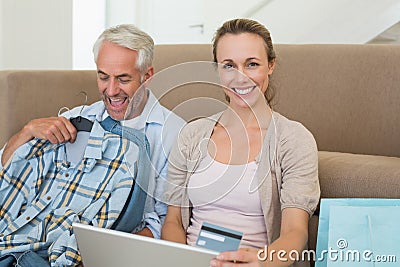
<point>326,243</point>
<point>364,236</point>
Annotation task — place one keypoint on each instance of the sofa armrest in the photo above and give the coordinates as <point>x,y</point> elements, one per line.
<point>345,175</point>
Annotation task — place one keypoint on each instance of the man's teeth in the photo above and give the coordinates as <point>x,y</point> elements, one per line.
<point>243,91</point>
<point>116,101</point>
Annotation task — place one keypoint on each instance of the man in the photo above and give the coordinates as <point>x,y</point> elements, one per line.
<point>123,56</point>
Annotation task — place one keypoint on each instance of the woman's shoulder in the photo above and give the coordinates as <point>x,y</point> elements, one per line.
<point>291,129</point>
<point>295,142</point>
<point>192,134</point>
<point>200,126</point>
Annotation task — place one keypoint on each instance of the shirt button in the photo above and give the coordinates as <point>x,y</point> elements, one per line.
<point>49,197</point>
<point>66,175</point>
<point>28,218</point>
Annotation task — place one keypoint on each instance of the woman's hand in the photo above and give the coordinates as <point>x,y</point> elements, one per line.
<point>242,257</point>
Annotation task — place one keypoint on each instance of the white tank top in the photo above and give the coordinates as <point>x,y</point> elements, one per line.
<point>221,195</point>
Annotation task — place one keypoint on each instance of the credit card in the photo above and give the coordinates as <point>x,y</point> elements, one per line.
<point>218,238</point>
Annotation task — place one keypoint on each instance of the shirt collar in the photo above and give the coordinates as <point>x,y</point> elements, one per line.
<point>152,110</point>
<point>95,142</point>
<point>152,113</point>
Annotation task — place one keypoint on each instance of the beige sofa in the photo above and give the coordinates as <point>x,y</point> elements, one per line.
<point>348,96</point>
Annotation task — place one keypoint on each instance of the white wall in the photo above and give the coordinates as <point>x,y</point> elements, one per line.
<point>310,21</point>
<point>290,21</point>
<point>222,10</point>
<point>59,34</point>
<point>49,34</point>
<point>336,21</point>
<point>36,34</point>
<point>120,12</point>
<point>88,23</point>
<point>172,21</point>
<point>177,21</point>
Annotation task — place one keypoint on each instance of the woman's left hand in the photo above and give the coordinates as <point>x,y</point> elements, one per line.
<point>242,257</point>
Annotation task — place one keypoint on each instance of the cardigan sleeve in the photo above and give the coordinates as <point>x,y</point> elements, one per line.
<point>177,174</point>
<point>299,165</point>
<point>186,153</point>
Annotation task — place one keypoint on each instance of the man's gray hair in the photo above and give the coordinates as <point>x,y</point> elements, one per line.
<point>129,36</point>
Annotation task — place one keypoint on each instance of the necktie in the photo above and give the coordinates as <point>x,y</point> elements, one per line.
<point>132,213</point>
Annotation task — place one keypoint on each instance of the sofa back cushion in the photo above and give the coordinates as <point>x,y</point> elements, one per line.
<point>26,95</point>
<point>347,95</point>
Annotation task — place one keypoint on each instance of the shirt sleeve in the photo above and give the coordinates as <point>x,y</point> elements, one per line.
<point>1,155</point>
<point>8,187</point>
<point>64,251</point>
<point>152,221</point>
<point>18,167</point>
<point>155,220</point>
<point>157,211</point>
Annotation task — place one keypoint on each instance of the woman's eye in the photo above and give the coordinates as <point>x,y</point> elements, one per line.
<point>253,64</point>
<point>227,66</point>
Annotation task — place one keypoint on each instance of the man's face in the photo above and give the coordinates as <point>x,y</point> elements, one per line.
<point>118,78</point>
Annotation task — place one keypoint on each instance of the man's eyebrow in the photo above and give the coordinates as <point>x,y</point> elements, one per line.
<point>123,75</point>
<point>118,76</point>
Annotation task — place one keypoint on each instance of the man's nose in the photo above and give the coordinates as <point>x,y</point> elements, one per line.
<point>113,87</point>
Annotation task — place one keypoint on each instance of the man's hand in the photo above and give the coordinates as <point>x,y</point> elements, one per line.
<point>54,129</point>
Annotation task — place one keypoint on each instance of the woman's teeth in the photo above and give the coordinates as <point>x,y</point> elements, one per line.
<point>243,91</point>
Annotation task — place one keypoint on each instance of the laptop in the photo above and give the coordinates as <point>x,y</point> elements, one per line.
<point>101,247</point>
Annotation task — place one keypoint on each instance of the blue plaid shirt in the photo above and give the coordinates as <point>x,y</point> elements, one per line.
<point>41,194</point>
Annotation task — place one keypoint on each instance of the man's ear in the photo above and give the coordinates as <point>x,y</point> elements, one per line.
<point>148,74</point>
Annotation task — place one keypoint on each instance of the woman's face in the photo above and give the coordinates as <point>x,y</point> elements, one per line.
<point>243,67</point>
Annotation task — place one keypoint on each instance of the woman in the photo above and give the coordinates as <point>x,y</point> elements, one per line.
<point>247,168</point>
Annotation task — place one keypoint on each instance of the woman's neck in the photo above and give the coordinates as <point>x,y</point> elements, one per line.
<point>257,116</point>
